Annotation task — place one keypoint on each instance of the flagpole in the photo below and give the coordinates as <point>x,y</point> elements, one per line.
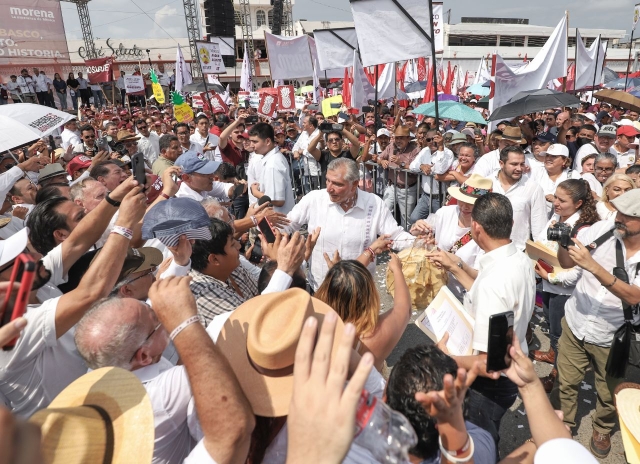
<point>628,61</point>
<point>575,62</point>
<point>433,54</point>
<point>564,82</point>
<point>375,103</point>
<point>595,71</point>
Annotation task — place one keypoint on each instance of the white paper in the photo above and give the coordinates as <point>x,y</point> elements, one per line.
<point>133,83</point>
<point>445,319</point>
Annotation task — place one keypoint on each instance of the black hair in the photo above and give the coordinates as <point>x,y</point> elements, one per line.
<point>299,281</point>
<point>226,171</point>
<point>494,213</point>
<point>102,169</point>
<point>263,131</point>
<point>473,146</point>
<point>165,141</point>
<point>140,121</point>
<point>589,127</point>
<point>313,121</point>
<point>633,169</point>
<point>420,369</point>
<point>49,191</point>
<point>338,133</point>
<point>86,128</point>
<point>504,153</point>
<point>43,221</point>
<point>505,122</point>
<point>202,249</point>
<point>179,125</point>
<point>201,117</point>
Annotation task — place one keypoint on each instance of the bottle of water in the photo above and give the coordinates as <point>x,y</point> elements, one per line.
<point>385,433</point>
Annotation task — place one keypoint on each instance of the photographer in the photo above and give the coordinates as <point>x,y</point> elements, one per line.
<point>90,146</point>
<point>594,313</point>
<point>334,136</point>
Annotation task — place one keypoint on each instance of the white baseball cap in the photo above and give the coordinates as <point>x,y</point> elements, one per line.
<point>558,149</point>
<point>383,132</point>
<point>13,246</point>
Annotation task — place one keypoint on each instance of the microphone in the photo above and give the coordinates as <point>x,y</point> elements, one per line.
<point>264,199</point>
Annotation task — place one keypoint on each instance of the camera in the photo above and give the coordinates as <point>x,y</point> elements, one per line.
<point>330,127</point>
<point>560,233</point>
<point>253,119</point>
<point>120,149</point>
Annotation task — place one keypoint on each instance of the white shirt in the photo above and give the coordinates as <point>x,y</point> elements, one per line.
<point>506,282</point>
<point>489,163</point>
<point>163,79</point>
<point>169,391</point>
<point>120,83</point>
<point>594,183</point>
<point>311,166</point>
<point>214,140</point>
<point>593,313</point>
<point>625,159</point>
<point>149,146</point>
<point>70,138</point>
<point>199,455</point>
<point>529,208</point>
<point>13,87</point>
<point>7,179</point>
<point>549,186</point>
<point>40,366</point>
<point>440,163</point>
<point>193,146</point>
<point>83,83</point>
<point>41,82</point>
<point>219,190</point>
<point>586,150</point>
<point>347,232</point>
<point>274,177</point>
<point>253,173</point>
<point>604,212</point>
<point>26,84</point>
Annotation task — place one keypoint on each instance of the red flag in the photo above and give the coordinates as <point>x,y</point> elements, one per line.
<point>99,70</point>
<point>346,88</point>
<point>286,98</point>
<point>400,73</point>
<point>422,69</point>
<point>429,94</point>
<point>448,88</point>
<point>218,105</point>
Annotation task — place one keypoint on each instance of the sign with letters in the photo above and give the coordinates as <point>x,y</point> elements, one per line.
<point>210,58</point>
<point>99,70</point>
<point>134,84</point>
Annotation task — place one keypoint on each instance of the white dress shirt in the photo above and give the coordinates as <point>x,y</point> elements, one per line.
<point>311,166</point>
<point>149,146</point>
<point>219,190</point>
<point>169,391</point>
<point>120,83</point>
<point>506,281</point>
<point>253,173</point>
<point>163,79</point>
<point>41,365</point>
<point>347,232</point>
<point>41,82</point>
<point>440,163</point>
<point>529,208</point>
<point>274,177</point>
<point>70,138</point>
<point>83,83</point>
<point>214,140</point>
<point>489,163</point>
<point>8,179</point>
<point>26,84</point>
<point>625,159</point>
<point>593,313</point>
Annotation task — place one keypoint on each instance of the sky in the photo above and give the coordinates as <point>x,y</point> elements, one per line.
<point>165,18</point>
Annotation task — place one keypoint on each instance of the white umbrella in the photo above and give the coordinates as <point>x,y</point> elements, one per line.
<point>25,122</point>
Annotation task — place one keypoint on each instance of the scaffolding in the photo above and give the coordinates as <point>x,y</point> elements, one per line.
<point>247,34</point>
<point>193,34</point>
<point>85,25</point>
<point>287,18</point>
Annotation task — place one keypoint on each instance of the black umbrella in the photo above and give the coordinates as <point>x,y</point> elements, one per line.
<point>199,87</point>
<point>335,85</point>
<point>415,86</point>
<point>531,101</point>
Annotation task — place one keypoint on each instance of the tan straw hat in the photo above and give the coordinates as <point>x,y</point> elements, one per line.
<point>474,187</point>
<point>260,339</point>
<point>627,400</point>
<point>402,131</point>
<point>104,416</point>
<point>125,136</point>
<point>513,134</point>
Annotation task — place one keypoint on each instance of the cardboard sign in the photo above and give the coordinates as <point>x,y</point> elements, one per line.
<point>267,105</point>
<point>183,113</point>
<point>214,103</point>
<point>210,58</point>
<point>286,98</point>
<point>134,84</point>
<point>99,70</point>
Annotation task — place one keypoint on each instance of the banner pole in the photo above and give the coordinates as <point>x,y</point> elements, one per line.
<point>575,63</point>
<point>375,104</point>
<point>595,71</point>
<point>628,61</point>
<point>433,54</point>
<point>564,81</point>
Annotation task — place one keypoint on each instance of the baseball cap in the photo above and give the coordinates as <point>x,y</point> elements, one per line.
<point>191,162</point>
<point>607,130</point>
<point>590,116</point>
<point>468,131</point>
<point>546,137</point>
<point>77,163</point>
<point>627,130</point>
<point>628,203</point>
<point>13,246</point>
<point>51,170</point>
<point>410,115</point>
<point>558,149</point>
<point>458,138</point>
<point>278,132</point>
<point>170,219</point>
<point>383,133</point>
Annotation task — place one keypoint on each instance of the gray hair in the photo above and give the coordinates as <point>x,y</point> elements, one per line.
<point>104,342</point>
<point>606,156</point>
<point>76,192</point>
<point>352,171</point>
<point>213,208</point>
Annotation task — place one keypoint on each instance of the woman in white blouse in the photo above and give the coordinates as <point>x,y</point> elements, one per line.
<point>615,186</point>
<point>556,170</point>
<point>450,226</point>
<point>573,204</point>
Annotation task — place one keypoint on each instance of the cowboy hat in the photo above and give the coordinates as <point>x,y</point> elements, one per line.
<point>473,188</point>
<point>513,134</point>
<point>126,136</point>
<point>402,131</point>
<point>104,416</point>
<point>627,401</point>
<point>259,340</point>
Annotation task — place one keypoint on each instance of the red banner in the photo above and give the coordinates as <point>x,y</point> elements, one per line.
<point>267,105</point>
<point>32,31</point>
<point>99,70</point>
<point>286,98</point>
<point>214,103</point>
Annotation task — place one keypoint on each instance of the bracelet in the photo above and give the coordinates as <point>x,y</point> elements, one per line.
<point>164,195</point>
<point>111,201</point>
<point>254,220</point>
<point>371,252</point>
<point>451,455</point>
<point>126,233</point>
<point>615,279</point>
<point>184,325</point>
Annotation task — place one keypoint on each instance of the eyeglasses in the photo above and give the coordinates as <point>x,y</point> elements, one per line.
<point>146,339</point>
<point>130,144</point>
<point>428,139</point>
<point>333,140</point>
<point>604,169</point>
<point>151,270</point>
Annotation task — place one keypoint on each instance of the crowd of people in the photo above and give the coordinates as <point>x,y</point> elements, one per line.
<point>233,278</point>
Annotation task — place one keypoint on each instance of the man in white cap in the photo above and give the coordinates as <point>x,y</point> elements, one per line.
<point>197,178</point>
<point>602,143</point>
<point>595,311</point>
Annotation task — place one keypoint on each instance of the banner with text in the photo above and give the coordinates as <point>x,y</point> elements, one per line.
<point>133,84</point>
<point>210,58</point>
<point>32,31</point>
<point>289,57</point>
<point>99,70</point>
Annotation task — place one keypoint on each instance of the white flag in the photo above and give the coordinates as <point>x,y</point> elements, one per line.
<point>483,74</point>
<point>332,50</point>
<point>549,63</point>
<point>586,66</point>
<point>289,57</point>
<point>387,82</point>
<point>636,16</point>
<point>361,91</point>
<point>183,76</point>
<point>246,80</point>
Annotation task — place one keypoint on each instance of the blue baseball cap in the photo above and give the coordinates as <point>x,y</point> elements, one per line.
<point>546,137</point>
<point>191,162</point>
<point>171,218</point>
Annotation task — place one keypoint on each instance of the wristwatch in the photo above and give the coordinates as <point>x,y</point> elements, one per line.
<point>460,264</point>
<point>111,201</point>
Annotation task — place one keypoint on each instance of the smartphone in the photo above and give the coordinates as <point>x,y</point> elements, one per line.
<point>367,109</point>
<point>313,107</point>
<point>477,131</point>
<point>291,119</point>
<point>137,166</point>
<point>344,116</point>
<point>251,119</point>
<point>545,265</point>
<point>206,141</point>
<point>500,335</point>
<point>24,270</point>
<point>237,191</point>
<point>266,230</point>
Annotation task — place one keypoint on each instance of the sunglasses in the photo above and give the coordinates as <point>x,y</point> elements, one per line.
<point>428,139</point>
<point>146,339</point>
<point>333,140</point>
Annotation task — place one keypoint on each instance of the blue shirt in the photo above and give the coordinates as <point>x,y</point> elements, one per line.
<point>484,451</point>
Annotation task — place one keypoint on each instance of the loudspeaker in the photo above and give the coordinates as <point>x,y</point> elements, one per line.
<point>277,17</point>
<point>220,18</point>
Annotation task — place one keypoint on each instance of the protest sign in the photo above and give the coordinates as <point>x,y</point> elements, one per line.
<point>210,58</point>
<point>286,100</point>
<point>133,84</point>
<point>99,70</point>
<point>267,106</point>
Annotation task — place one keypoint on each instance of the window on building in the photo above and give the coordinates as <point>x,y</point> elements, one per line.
<point>535,41</point>
<point>512,41</point>
<point>270,18</point>
<point>238,18</point>
<point>590,41</point>
<point>473,40</point>
<point>261,18</point>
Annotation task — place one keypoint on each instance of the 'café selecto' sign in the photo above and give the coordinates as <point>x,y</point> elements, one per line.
<point>120,52</point>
